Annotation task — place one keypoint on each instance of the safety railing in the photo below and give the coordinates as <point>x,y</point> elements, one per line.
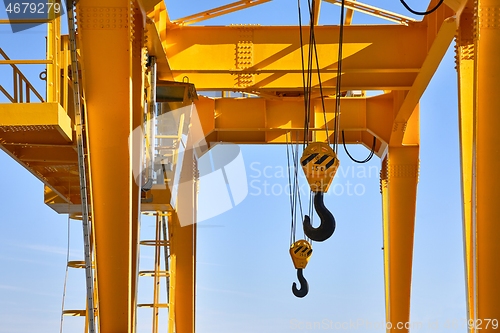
<point>22,87</point>
<point>23,90</point>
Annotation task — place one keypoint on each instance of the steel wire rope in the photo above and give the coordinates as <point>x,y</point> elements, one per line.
<point>306,117</point>
<point>292,206</point>
<point>296,170</point>
<point>65,277</point>
<point>339,78</point>
<point>67,263</point>
<point>313,42</point>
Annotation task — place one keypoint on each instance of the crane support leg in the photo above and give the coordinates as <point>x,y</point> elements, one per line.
<point>399,179</point>
<point>105,32</point>
<point>138,60</point>
<point>465,67</point>
<point>484,226</point>
<point>183,246</point>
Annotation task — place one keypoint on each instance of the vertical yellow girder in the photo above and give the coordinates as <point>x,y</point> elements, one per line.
<point>138,62</point>
<point>483,230</point>
<point>465,68</point>
<point>106,33</point>
<point>398,185</point>
<point>183,247</point>
<point>399,194</point>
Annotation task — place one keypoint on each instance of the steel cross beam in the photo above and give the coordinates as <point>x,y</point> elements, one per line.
<point>353,5</point>
<point>219,11</point>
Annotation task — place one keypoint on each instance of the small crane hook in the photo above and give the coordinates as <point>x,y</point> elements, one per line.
<point>327,226</point>
<point>304,286</point>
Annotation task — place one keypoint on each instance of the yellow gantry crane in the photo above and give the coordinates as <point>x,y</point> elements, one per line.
<point>122,58</point>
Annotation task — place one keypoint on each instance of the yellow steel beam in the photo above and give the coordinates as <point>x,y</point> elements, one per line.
<point>106,33</point>
<point>352,5</point>
<point>25,62</point>
<point>399,179</point>
<point>441,31</point>
<point>222,10</point>
<point>155,35</point>
<point>268,57</point>
<point>316,11</point>
<point>348,16</point>
<point>486,163</point>
<point>465,65</point>
<point>258,120</point>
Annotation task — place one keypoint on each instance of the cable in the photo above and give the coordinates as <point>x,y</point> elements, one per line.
<point>306,117</point>
<point>65,277</point>
<point>313,42</point>
<point>339,77</point>
<point>292,208</point>
<point>421,13</point>
<point>366,159</point>
<point>296,166</point>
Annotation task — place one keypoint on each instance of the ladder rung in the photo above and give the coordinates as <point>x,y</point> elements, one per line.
<point>155,242</point>
<point>75,313</point>
<point>151,305</point>
<point>152,273</point>
<point>157,213</point>
<point>77,264</point>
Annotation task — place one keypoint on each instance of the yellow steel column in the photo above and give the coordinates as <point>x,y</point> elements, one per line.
<point>138,67</point>
<point>183,245</point>
<point>465,68</point>
<point>106,34</point>
<point>385,229</point>
<point>53,50</point>
<point>399,193</point>
<point>486,154</point>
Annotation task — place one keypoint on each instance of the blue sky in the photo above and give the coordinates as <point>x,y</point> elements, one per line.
<point>244,270</point>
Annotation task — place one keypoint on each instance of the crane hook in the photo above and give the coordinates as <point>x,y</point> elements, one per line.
<point>327,225</point>
<point>304,286</point>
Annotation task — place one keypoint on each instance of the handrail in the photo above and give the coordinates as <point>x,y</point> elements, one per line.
<point>20,81</point>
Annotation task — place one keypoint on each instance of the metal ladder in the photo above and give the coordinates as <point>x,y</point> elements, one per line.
<point>161,242</point>
<point>82,168</point>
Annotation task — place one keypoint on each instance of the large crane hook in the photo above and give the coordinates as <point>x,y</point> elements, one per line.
<point>327,226</point>
<point>304,286</point>
<point>320,163</point>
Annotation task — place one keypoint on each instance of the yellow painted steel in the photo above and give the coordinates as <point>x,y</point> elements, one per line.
<point>105,39</point>
<point>269,121</point>
<point>183,245</point>
<point>138,68</point>
<point>399,194</point>
<point>35,123</point>
<point>353,5</point>
<point>53,55</point>
<point>222,10</point>
<point>273,52</point>
<point>384,180</point>
<point>486,163</point>
<point>265,61</point>
<point>465,66</point>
